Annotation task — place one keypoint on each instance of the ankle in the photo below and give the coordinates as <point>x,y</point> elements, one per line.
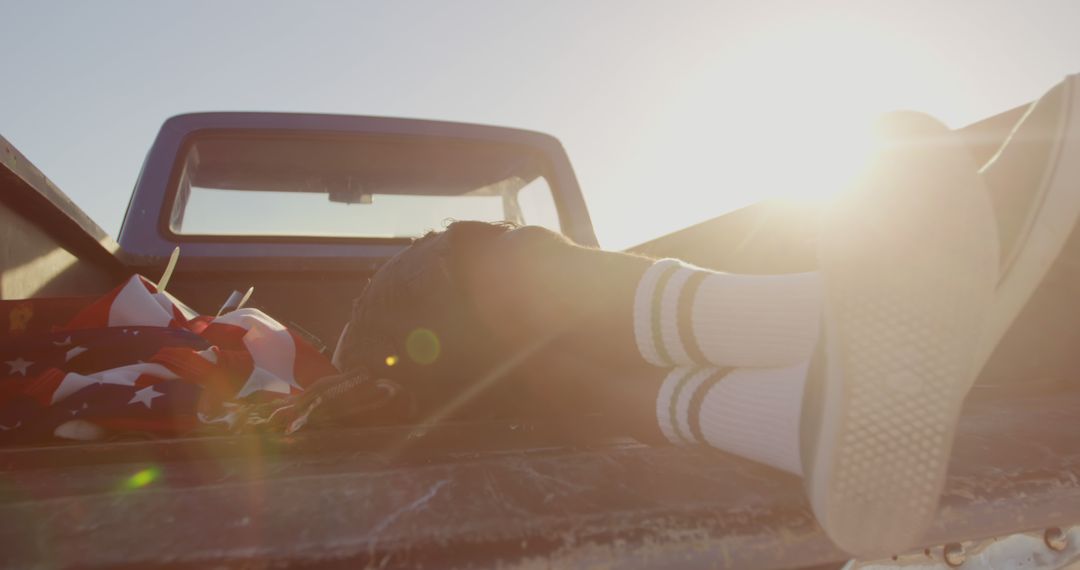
<point>689,316</point>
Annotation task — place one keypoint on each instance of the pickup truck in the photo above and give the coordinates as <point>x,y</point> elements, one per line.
<point>304,208</point>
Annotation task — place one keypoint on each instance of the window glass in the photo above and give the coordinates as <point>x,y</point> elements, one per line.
<point>354,186</point>
<point>214,211</point>
<point>538,205</point>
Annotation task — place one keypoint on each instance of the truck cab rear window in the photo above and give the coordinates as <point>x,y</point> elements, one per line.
<point>353,186</point>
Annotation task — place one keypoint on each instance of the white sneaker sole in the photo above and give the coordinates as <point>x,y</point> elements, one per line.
<point>1054,215</point>
<point>909,274</point>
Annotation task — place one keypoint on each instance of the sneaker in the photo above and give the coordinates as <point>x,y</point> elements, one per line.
<point>910,261</point>
<point>1034,184</point>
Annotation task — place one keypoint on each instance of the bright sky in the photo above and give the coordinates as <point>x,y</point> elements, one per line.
<point>672,112</point>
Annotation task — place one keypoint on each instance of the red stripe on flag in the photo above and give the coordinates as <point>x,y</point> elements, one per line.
<point>309,364</point>
<point>225,337</point>
<point>44,386</point>
<point>96,315</point>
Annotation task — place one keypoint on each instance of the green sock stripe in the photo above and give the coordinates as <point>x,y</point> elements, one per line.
<point>693,412</point>
<point>685,321</point>
<point>673,405</point>
<point>658,295</point>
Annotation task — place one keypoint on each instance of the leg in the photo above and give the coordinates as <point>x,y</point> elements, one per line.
<point>909,263</point>
<point>908,266</point>
<point>630,311</point>
<point>751,412</point>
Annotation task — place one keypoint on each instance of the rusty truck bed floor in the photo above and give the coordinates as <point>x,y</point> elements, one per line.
<point>477,495</point>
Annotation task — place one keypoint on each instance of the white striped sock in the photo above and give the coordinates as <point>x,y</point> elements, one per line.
<point>645,330</point>
<point>753,413</point>
<point>677,348</point>
<point>688,316</point>
<point>673,402</point>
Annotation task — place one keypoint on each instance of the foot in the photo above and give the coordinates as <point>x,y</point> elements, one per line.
<point>1033,182</point>
<point>909,259</point>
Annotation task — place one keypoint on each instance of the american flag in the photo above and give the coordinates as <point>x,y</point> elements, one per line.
<point>140,361</point>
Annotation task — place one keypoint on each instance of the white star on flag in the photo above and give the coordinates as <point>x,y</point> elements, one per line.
<point>64,342</point>
<point>145,396</point>
<point>76,411</point>
<point>123,376</point>
<point>73,353</point>
<point>19,366</point>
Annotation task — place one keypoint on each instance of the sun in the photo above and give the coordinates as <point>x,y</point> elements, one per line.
<point>785,110</point>
<point>820,160</point>
<point>799,110</point>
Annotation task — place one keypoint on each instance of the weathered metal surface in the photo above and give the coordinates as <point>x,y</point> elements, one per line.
<point>1027,551</point>
<point>34,264</point>
<point>48,246</point>
<point>483,495</point>
<point>27,188</point>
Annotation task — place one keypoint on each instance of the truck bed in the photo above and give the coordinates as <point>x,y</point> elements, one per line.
<point>479,495</point>
<point>555,493</point>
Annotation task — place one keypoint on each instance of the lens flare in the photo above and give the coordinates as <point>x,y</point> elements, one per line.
<point>142,478</point>
<point>423,346</point>
<point>391,360</point>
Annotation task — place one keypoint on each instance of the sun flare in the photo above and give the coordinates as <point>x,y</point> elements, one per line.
<point>788,115</point>
<point>809,162</point>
